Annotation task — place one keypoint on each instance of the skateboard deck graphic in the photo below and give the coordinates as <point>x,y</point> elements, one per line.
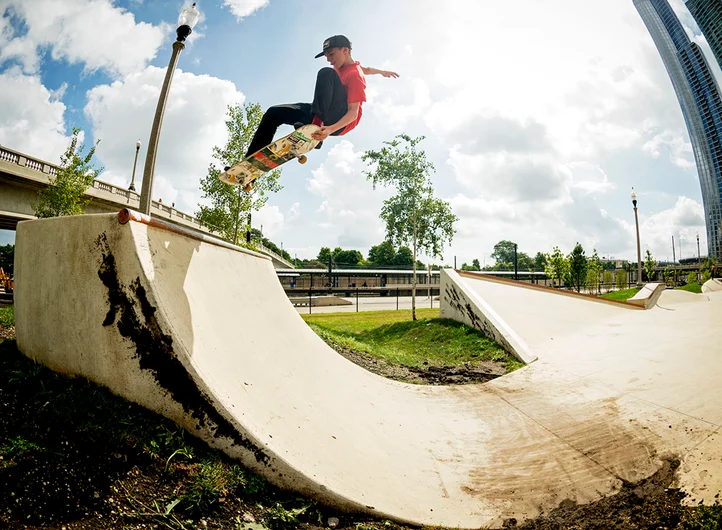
<point>294,145</point>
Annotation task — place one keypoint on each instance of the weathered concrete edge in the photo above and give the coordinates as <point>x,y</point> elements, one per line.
<point>471,309</point>
<point>547,289</point>
<point>711,286</point>
<point>146,390</point>
<point>648,296</point>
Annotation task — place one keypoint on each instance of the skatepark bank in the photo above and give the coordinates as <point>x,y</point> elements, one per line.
<point>157,323</point>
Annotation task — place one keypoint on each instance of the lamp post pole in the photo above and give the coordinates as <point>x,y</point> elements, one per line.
<point>135,163</point>
<point>186,21</point>
<point>639,249</point>
<point>699,263</point>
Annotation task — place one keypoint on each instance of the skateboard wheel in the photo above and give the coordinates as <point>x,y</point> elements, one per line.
<point>302,159</point>
<point>248,188</point>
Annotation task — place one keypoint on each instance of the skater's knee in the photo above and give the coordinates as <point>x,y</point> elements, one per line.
<point>272,112</point>
<point>326,72</point>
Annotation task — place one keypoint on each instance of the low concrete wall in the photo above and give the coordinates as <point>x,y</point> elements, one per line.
<point>711,286</point>
<point>319,301</point>
<point>469,308</point>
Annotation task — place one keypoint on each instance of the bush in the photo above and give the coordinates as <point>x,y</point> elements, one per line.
<point>621,279</point>
<point>707,275</point>
<point>692,277</point>
<point>608,280</point>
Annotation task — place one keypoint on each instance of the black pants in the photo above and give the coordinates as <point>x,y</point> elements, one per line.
<point>329,103</point>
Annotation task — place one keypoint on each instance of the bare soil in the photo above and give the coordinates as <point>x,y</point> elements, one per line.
<point>478,372</point>
<point>74,475</point>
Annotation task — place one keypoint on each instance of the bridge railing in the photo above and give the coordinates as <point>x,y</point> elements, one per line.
<point>41,166</point>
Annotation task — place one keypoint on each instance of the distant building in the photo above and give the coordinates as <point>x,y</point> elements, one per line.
<point>708,15</point>
<point>699,97</point>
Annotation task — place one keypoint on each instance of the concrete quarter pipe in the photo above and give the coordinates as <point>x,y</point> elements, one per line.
<point>203,333</point>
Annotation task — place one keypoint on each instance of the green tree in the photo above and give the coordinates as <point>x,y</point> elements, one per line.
<point>230,211</point>
<point>649,264</point>
<point>347,258</point>
<point>65,190</point>
<point>607,280</point>
<point>323,255</point>
<point>557,266</point>
<point>540,262</point>
<point>578,267</point>
<point>404,257</point>
<point>504,252</point>
<point>668,275</point>
<point>524,262</point>
<point>621,279</point>
<point>384,255</point>
<point>476,265</point>
<point>7,258</point>
<point>413,216</point>
<point>594,271</point>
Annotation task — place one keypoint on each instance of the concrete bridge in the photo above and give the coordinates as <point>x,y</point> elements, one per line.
<point>22,176</point>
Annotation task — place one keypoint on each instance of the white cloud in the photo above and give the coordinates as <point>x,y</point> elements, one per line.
<point>683,221</point>
<point>271,219</point>
<point>92,32</point>
<point>243,8</point>
<point>348,215</point>
<point>194,122</point>
<point>400,101</point>
<point>31,117</point>
<point>512,177</point>
<point>590,178</point>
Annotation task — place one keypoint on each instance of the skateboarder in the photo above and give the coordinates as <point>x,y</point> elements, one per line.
<point>337,102</point>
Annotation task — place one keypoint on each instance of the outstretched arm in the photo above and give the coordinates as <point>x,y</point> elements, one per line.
<point>367,70</point>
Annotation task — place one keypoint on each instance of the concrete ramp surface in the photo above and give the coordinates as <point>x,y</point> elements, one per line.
<point>203,333</point>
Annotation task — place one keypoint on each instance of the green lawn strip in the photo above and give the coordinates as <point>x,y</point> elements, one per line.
<point>691,288</point>
<point>7,316</point>
<point>622,295</point>
<point>393,336</point>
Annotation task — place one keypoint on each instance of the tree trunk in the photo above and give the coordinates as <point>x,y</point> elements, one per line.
<point>413,280</point>
<point>238,217</point>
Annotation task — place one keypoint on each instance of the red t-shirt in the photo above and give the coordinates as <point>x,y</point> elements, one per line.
<point>352,78</point>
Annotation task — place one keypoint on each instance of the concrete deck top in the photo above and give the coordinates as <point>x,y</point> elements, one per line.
<point>205,335</point>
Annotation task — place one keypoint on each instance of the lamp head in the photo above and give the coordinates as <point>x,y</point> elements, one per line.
<point>186,21</point>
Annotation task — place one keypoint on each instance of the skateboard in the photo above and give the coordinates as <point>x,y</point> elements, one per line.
<point>294,145</point>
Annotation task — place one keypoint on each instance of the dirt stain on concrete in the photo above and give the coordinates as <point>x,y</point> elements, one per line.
<point>130,309</point>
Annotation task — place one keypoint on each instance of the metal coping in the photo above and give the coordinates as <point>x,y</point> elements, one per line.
<point>126,215</point>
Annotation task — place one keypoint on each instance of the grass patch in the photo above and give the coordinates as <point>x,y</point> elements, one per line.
<point>394,337</point>
<point>691,288</point>
<point>622,295</point>
<point>7,316</point>
<point>702,518</point>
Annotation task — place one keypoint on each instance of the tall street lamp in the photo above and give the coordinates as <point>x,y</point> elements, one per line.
<point>135,162</point>
<point>186,21</point>
<point>639,250</point>
<point>699,262</point>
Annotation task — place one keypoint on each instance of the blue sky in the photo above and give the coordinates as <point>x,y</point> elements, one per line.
<point>538,116</point>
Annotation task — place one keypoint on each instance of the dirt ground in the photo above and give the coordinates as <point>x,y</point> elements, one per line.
<point>82,478</point>
<point>479,372</point>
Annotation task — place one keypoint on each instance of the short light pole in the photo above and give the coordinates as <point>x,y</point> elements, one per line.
<point>186,21</point>
<point>699,262</point>
<point>135,162</point>
<point>639,249</point>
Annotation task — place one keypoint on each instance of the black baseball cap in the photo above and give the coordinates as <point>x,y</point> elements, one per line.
<point>337,41</point>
